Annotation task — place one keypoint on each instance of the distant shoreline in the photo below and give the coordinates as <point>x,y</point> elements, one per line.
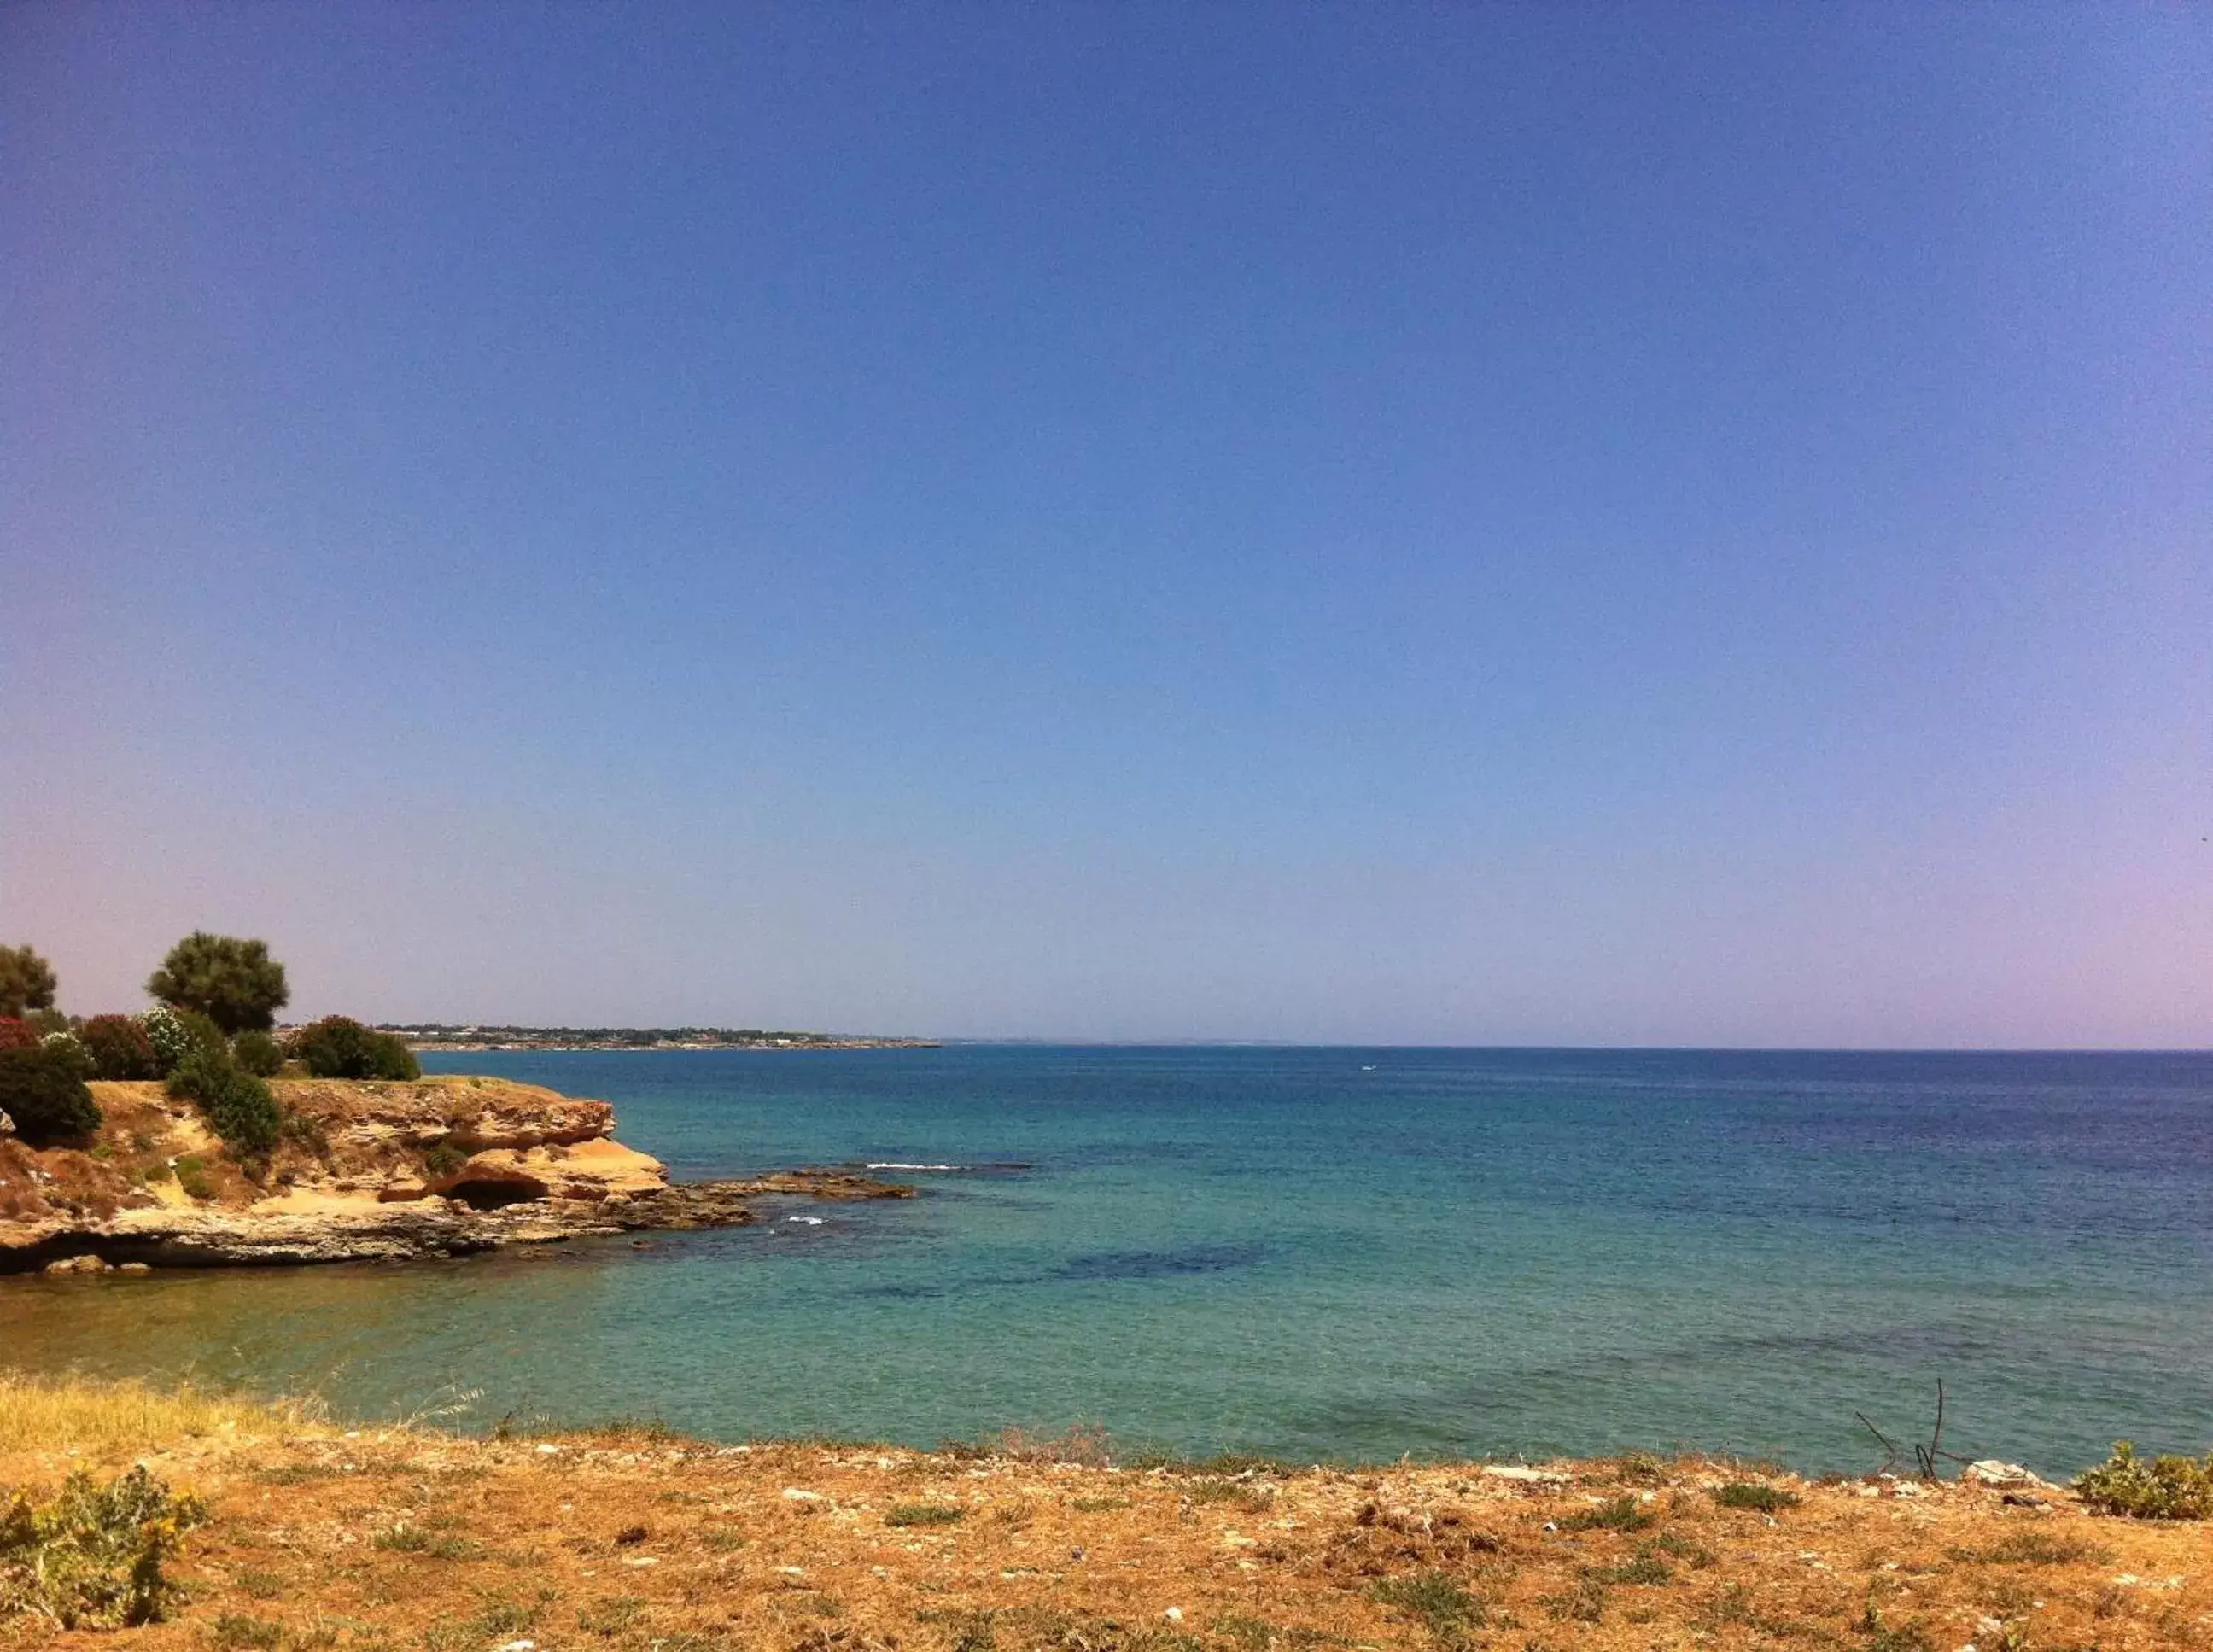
<point>653,1049</point>
<point>431,1037</point>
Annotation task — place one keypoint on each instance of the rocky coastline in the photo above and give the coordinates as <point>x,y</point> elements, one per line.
<point>367,1171</point>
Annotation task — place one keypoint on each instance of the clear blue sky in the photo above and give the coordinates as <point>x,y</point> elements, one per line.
<point>1608,524</point>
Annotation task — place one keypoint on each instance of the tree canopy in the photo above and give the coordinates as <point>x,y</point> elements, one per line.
<point>26,981</point>
<point>233,982</point>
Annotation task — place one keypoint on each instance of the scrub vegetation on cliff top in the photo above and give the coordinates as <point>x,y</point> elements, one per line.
<point>207,1038</point>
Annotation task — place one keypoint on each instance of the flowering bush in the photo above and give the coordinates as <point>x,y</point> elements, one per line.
<point>175,1034</point>
<point>119,1047</point>
<point>91,1557</point>
<point>16,1034</point>
<point>67,1051</point>
<point>165,1036</point>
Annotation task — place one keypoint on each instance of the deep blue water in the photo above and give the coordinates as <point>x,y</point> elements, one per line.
<point>1342,1254</point>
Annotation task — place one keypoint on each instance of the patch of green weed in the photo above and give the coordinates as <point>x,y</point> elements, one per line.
<point>2031,1549</point>
<point>1622,1514</point>
<point>1750,1494</point>
<point>1446,1609</point>
<point>1646,1568</point>
<point>925,1513</point>
<point>1683,1549</point>
<point>611,1615</point>
<point>1237,1493</point>
<point>233,1632</point>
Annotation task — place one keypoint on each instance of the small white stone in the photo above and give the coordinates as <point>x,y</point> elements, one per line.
<point>1174,1614</point>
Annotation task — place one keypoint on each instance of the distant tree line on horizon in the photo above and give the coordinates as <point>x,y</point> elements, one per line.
<point>209,1038</point>
<point>453,1033</point>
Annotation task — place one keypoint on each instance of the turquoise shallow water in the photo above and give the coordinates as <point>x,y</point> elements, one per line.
<point>1338,1253</point>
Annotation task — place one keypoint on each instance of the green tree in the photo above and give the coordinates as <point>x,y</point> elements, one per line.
<point>234,983</point>
<point>26,981</point>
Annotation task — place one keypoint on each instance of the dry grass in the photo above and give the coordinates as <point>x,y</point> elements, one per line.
<point>627,1540</point>
<point>111,1420</point>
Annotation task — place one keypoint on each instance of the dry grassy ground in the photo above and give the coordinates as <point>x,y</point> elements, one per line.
<point>633,1540</point>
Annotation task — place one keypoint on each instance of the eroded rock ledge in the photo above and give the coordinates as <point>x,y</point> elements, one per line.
<point>367,1171</point>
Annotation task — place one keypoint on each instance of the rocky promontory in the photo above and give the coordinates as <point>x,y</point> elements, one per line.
<point>365,1171</point>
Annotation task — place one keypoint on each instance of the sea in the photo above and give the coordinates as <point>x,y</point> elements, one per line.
<point>1319,1254</point>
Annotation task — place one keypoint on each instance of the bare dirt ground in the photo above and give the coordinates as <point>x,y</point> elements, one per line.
<point>319,1537</point>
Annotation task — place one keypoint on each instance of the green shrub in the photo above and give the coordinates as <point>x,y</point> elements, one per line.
<point>47,1101</point>
<point>257,1052</point>
<point>237,1105</point>
<point>91,1558</point>
<point>1750,1494</point>
<point>231,980</point>
<point>118,1048</point>
<point>338,1047</point>
<point>389,1058</point>
<point>2166,1488</point>
<point>444,1160</point>
<point>192,1176</point>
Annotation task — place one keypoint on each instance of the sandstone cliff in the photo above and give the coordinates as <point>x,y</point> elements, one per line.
<point>365,1171</point>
